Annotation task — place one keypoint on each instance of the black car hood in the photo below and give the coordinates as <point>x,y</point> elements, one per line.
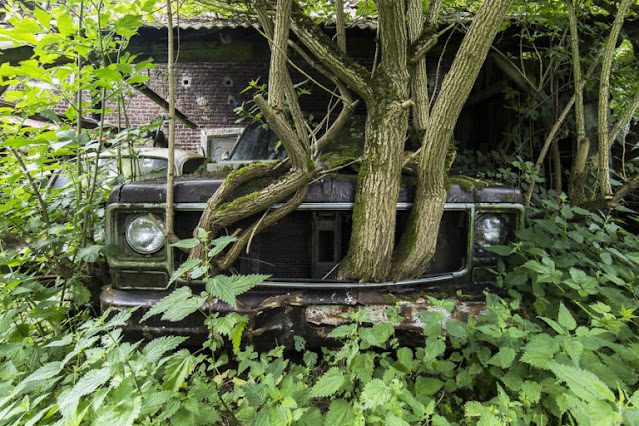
<point>326,190</point>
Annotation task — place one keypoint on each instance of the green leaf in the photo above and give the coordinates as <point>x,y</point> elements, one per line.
<point>457,329</point>
<point>220,244</point>
<point>90,253</point>
<point>405,356</point>
<point>574,348</point>
<point>221,287</point>
<point>539,351</point>
<point>236,335</point>
<point>185,267</point>
<point>311,417</point>
<point>554,324</point>
<point>434,348</point>
<point>243,283</point>
<point>340,413</point>
<point>176,306</point>
<point>47,371</point>
<point>504,358</point>
<point>565,318</point>
<point>178,368</point>
<point>198,272</point>
<point>377,335</point>
<point>187,243</point>
<point>65,24</point>
<point>531,391</point>
<point>375,394</point>
<point>427,385</point>
<point>159,346</point>
<point>576,236</point>
<point>583,383</point>
<point>108,74</point>
<point>88,383</point>
<point>396,421</point>
<point>606,257</point>
<point>502,250</point>
<point>256,393</point>
<point>328,384</point>
<point>43,17</point>
<point>362,365</point>
<point>602,413</point>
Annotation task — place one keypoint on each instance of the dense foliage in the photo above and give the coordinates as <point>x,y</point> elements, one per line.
<point>556,344</point>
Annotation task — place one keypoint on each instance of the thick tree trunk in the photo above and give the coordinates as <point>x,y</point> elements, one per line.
<point>417,244</point>
<point>374,216</point>
<point>373,233</point>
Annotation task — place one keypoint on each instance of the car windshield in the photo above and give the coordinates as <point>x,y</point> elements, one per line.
<point>258,143</point>
<point>145,167</point>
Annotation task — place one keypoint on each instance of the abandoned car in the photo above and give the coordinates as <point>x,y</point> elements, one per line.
<point>300,253</point>
<point>140,163</point>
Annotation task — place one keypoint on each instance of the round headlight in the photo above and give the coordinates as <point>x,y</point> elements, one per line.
<point>490,230</point>
<point>144,236</point>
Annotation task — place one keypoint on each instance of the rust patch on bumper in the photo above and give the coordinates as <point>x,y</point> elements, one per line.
<point>277,316</point>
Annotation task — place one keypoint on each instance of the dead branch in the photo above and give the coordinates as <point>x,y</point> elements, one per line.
<point>549,139</point>
<point>140,87</point>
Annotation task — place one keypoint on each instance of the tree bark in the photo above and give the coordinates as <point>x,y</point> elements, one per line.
<point>298,169</point>
<point>417,245</point>
<point>575,190</point>
<point>374,216</point>
<point>604,99</point>
<point>170,173</point>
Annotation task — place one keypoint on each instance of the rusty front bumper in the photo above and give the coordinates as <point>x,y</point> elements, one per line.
<point>276,316</point>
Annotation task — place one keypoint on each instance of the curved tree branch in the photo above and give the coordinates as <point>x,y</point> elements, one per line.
<point>354,75</point>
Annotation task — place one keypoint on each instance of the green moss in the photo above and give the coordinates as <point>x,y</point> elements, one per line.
<point>256,184</point>
<point>246,169</point>
<point>235,204</point>
<point>390,298</point>
<point>336,159</point>
<point>310,164</point>
<point>467,183</point>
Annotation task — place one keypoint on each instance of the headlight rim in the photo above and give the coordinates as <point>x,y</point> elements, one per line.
<point>480,242</point>
<point>156,247</point>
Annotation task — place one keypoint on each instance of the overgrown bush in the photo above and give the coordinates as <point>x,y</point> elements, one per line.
<point>556,344</point>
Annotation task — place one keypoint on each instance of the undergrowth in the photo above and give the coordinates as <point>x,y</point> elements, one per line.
<point>556,344</point>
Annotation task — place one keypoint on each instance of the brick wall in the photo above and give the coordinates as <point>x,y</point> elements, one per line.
<point>207,93</point>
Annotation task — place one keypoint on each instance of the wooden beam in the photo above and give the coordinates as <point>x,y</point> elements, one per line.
<point>86,122</point>
<point>163,103</point>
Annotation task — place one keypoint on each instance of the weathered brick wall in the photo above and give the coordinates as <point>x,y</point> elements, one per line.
<point>207,93</point>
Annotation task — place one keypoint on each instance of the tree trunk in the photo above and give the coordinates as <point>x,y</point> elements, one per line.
<point>604,99</point>
<point>374,216</point>
<point>417,244</point>
<point>373,233</point>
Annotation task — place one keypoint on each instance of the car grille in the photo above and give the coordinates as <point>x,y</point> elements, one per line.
<point>307,245</point>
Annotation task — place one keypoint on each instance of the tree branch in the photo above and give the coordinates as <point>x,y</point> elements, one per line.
<point>625,118</point>
<point>549,139</point>
<point>426,41</point>
<point>354,75</point>
<point>266,221</point>
<point>146,91</point>
<point>604,95</point>
<point>294,146</point>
